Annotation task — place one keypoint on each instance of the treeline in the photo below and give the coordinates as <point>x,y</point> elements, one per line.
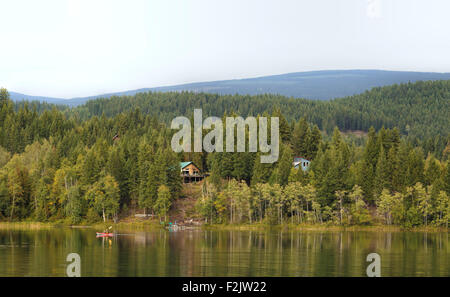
<point>38,106</point>
<point>386,180</point>
<point>56,165</point>
<point>419,110</point>
<point>53,167</point>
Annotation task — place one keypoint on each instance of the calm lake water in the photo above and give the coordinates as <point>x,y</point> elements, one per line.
<point>223,253</point>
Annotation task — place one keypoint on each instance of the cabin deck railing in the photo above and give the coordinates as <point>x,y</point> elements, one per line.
<point>193,175</point>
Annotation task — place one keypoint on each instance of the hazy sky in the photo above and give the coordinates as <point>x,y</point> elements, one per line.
<point>78,48</point>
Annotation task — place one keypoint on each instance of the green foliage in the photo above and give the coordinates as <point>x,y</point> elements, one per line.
<point>359,212</point>
<point>163,202</point>
<point>104,196</point>
<point>112,157</point>
<point>390,206</point>
<point>418,109</point>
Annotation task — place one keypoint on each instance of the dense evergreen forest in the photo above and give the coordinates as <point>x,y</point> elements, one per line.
<point>417,109</point>
<point>111,157</point>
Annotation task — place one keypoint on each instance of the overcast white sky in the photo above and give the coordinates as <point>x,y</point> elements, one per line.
<point>77,48</point>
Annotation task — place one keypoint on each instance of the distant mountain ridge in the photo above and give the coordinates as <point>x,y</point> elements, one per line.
<point>321,85</point>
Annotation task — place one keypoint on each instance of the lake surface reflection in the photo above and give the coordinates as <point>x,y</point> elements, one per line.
<point>223,253</point>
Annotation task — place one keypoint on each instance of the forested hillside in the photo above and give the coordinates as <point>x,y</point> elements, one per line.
<point>319,85</point>
<point>418,109</point>
<point>72,165</point>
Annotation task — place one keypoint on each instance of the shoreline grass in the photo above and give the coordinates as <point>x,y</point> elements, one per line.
<point>324,227</point>
<point>155,225</point>
<point>100,226</point>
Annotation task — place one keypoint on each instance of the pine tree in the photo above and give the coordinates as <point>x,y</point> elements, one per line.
<point>382,174</point>
<point>370,158</point>
<point>215,176</point>
<point>446,178</point>
<point>240,166</point>
<point>116,168</point>
<point>314,141</point>
<point>226,164</point>
<point>300,139</point>
<point>4,97</point>
<point>284,166</point>
<point>415,167</point>
<point>163,202</point>
<point>261,171</point>
<point>393,170</point>
<point>16,190</point>
<point>285,130</point>
<point>424,200</point>
<point>432,170</point>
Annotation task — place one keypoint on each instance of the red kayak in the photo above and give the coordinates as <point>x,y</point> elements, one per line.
<point>105,234</point>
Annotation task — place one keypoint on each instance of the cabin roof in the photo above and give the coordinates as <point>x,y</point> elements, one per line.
<point>184,164</point>
<point>300,157</point>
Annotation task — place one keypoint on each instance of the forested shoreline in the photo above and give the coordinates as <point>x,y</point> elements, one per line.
<point>111,158</point>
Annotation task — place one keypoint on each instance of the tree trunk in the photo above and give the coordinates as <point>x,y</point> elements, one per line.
<point>231,212</point>
<point>35,203</point>
<point>261,212</point>
<point>12,207</point>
